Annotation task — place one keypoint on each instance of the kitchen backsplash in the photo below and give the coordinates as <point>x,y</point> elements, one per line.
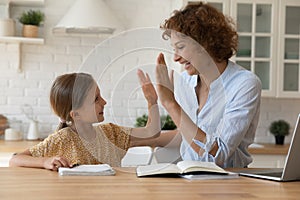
<point>61,54</point>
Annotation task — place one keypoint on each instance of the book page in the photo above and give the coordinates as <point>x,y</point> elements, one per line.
<point>191,166</point>
<point>161,168</point>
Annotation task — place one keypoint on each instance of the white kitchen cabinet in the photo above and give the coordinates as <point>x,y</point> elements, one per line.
<point>268,41</point>
<point>256,26</point>
<point>289,49</point>
<point>221,5</point>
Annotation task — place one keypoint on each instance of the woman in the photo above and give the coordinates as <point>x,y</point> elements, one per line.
<point>215,103</point>
<point>75,98</point>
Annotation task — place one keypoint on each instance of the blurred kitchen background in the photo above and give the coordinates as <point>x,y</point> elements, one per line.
<point>28,67</point>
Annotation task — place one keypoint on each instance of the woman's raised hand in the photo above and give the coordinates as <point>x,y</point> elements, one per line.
<point>165,85</point>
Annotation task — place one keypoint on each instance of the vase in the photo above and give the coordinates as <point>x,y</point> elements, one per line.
<point>33,133</point>
<point>30,31</point>
<point>279,139</point>
<point>7,27</point>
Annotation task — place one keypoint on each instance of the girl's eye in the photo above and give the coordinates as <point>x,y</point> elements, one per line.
<point>97,99</point>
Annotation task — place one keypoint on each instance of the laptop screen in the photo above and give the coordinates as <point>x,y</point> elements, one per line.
<point>292,164</point>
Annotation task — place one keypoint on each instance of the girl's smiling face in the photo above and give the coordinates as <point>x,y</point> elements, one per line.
<point>92,109</point>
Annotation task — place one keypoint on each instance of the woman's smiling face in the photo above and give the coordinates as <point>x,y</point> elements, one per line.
<point>189,53</point>
<point>182,52</point>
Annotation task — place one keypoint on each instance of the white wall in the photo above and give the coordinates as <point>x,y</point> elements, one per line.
<point>61,54</point>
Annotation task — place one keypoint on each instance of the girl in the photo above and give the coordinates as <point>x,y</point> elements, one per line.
<point>75,98</point>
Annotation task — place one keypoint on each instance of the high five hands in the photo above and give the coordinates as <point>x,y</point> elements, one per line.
<point>164,83</point>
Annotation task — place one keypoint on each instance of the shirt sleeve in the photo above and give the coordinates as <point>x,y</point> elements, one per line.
<point>240,110</point>
<point>237,124</point>
<point>50,146</point>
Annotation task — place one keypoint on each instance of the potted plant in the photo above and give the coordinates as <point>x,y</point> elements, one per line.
<point>279,129</point>
<point>31,20</point>
<point>166,122</point>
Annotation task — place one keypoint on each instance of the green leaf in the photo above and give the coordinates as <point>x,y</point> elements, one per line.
<point>32,17</point>
<point>166,122</point>
<point>279,127</point>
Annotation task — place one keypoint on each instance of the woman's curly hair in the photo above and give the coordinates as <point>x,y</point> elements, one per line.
<point>206,25</point>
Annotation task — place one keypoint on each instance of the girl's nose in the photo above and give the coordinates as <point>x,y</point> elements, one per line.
<point>103,101</point>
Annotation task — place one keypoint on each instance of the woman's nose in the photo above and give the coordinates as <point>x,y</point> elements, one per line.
<point>176,57</point>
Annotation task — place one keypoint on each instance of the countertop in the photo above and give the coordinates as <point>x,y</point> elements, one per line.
<point>260,148</point>
<point>270,149</point>
<point>16,146</point>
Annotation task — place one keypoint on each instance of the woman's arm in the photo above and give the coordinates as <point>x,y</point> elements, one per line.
<point>25,159</point>
<point>183,122</point>
<point>153,126</point>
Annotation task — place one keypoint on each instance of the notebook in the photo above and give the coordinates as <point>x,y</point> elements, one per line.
<point>291,171</point>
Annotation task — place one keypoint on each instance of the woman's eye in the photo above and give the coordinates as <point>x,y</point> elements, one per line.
<point>178,48</point>
<point>96,99</point>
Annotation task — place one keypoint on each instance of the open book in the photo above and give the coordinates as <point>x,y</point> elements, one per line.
<point>87,170</point>
<point>181,168</point>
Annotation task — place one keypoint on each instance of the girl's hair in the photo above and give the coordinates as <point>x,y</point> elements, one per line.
<point>207,26</point>
<point>67,93</point>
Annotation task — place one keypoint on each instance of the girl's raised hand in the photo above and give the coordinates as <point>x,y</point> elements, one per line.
<point>147,87</point>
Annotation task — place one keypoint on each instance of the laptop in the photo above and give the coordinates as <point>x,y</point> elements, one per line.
<point>290,172</point>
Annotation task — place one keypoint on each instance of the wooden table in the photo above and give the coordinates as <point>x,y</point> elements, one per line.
<point>28,183</point>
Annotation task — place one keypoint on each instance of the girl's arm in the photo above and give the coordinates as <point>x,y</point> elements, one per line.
<point>153,126</point>
<point>169,138</point>
<point>25,159</point>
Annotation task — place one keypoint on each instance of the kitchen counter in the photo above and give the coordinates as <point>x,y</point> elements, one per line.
<point>261,148</point>
<point>270,149</point>
<point>8,148</point>
<point>268,155</point>
<point>16,146</point>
